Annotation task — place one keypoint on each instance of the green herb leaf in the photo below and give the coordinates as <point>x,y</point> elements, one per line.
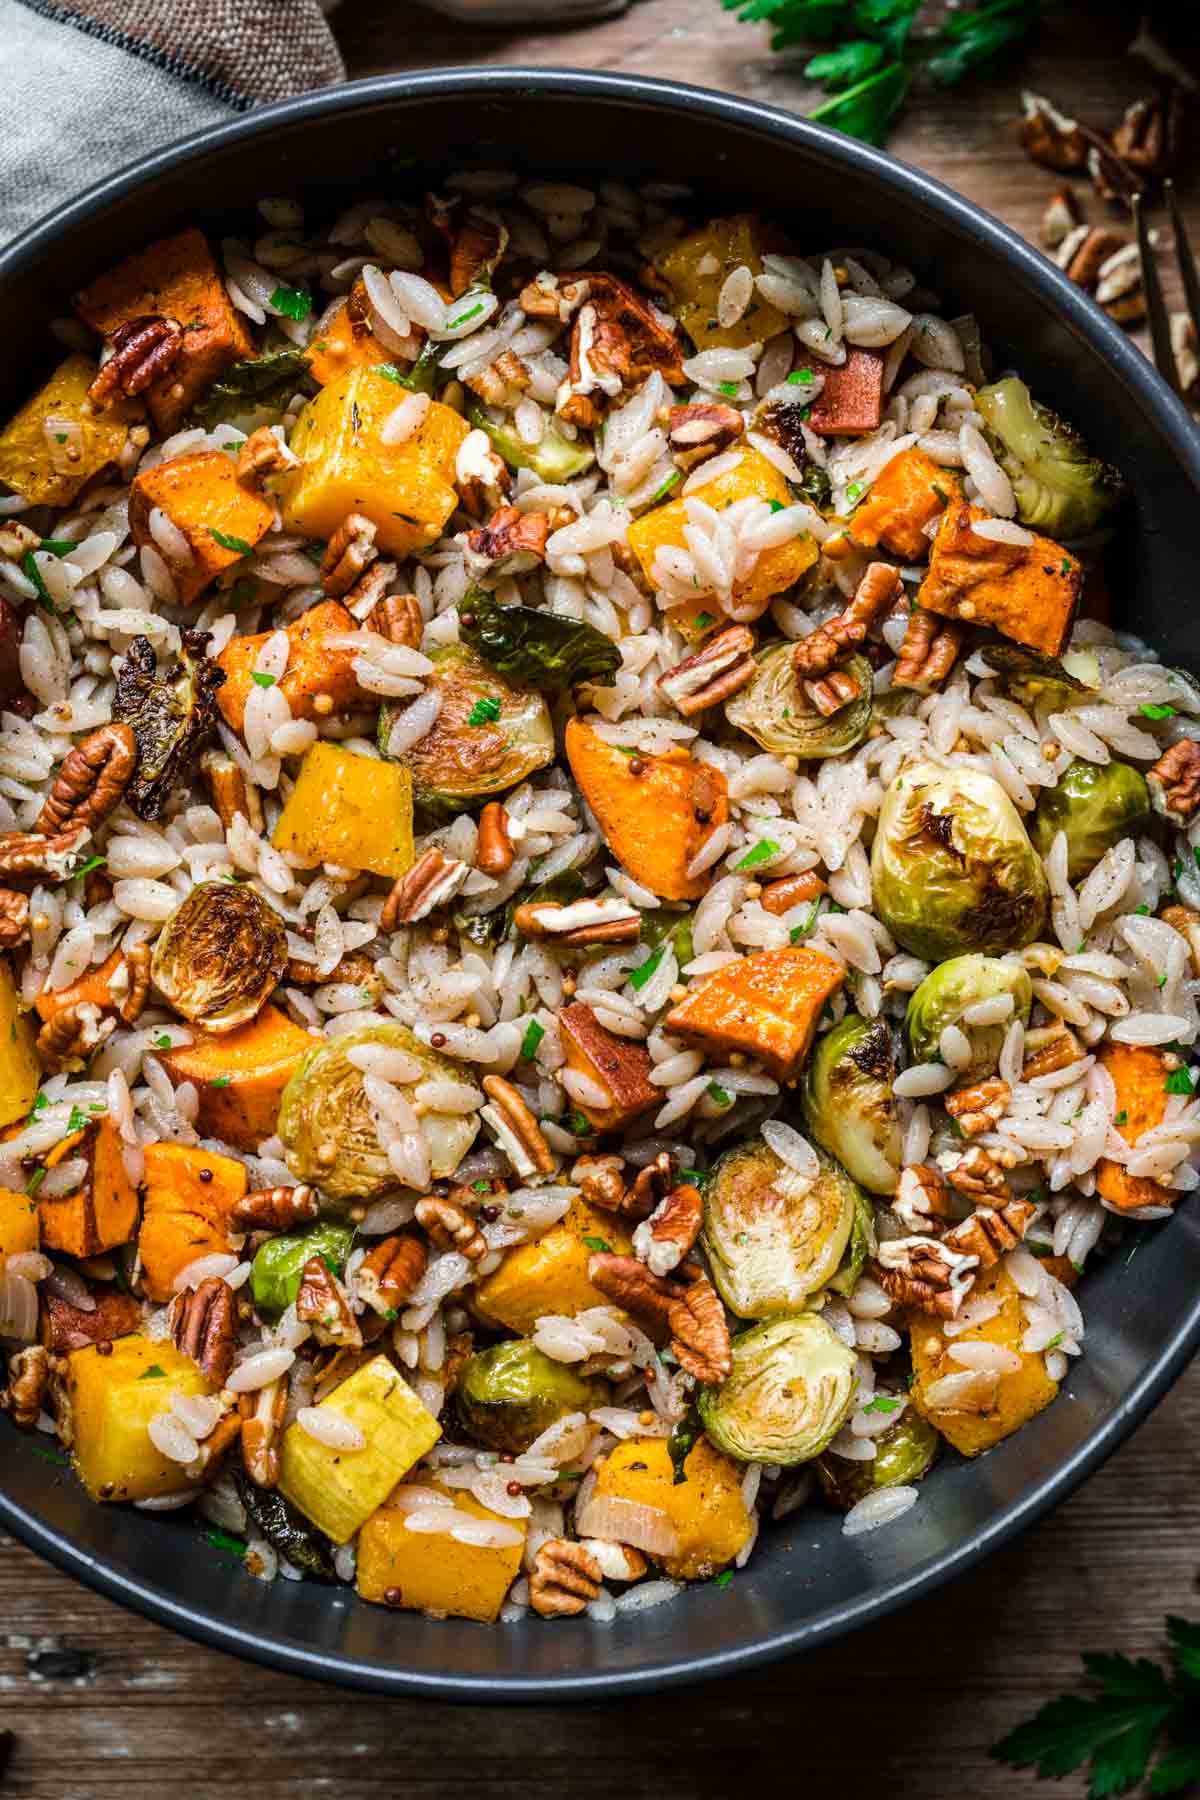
<point>600,1245</point>
<point>261,679</point>
<point>42,591</point>
<point>704,620</point>
<point>58,546</point>
<point>673,479</point>
<point>721,1095</point>
<point>578,1124</point>
<point>293,303</point>
<point>224,1540</point>
<point>534,1033</point>
<point>867,109</point>
<point>681,1443</point>
<point>76,1121</point>
<point>228,542</point>
<point>1157,712</point>
<point>758,853</point>
<point>484,712</point>
<point>35,1181</point>
<point>153,1373</point>
<point>639,976</point>
<point>838,69</point>
<point>219,1081</point>
<point>162,1042</point>
<point>543,649</point>
<point>801,378</point>
<point>723,1579</point>
<point>882,1403</point>
<point>266,380</point>
<point>85,868</point>
<point>729,389</point>
<point>1179,1081</point>
<point>1121,1118</point>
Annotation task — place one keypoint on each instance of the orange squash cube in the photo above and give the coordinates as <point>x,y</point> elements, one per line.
<point>768,1005</point>
<point>437,1573</point>
<point>201,495</point>
<point>1020,1394</point>
<point>695,269</point>
<point>240,1075</point>
<point>1028,592</point>
<point>102,1212</point>
<point>906,496</point>
<point>1139,1075</point>
<point>319,682</point>
<point>621,1066</point>
<point>190,1194</point>
<point>42,456</point>
<point>346,340</point>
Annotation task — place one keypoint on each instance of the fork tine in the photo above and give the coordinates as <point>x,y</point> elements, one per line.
<point>1160,329</point>
<point>1187,262</point>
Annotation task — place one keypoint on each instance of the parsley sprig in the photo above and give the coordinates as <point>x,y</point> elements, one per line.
<point>878,49</point>
<point>1144,1715</point>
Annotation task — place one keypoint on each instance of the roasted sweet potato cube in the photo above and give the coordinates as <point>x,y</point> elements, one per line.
<point>346,340</point>
<point>64,1327</point>
<point>176,278</point>
<point>905,497</point>
<point>852,397</point>
<point>319,681</point>
<point>1029,592</point>
<point>1139,1075</point>
<point>767,1005</point>
<point>100,1213</point>
<point>190,1194</point>
<point>221,519</point>
<point>550,1275</point>
<point>620,1065</point>
<point>93,988</point>
<point>240,1075</point>
<point>58,440</point>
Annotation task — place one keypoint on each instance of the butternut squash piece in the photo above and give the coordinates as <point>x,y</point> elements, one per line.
<point>551,1274</point>
<point>768,1005</point>
<point>620,1065</point>
<point>1139,1075</point>
<point>58,441</point>
<point>113,1399</point>
<point>1029,592</point>
<point>346,340</point>
<point>190,1194</point>
<point>852,397</point>
<point>18,1223</point>
<point>349,809</point>
<point>240,1075</point>
<point>905,497</point>
<point>94,988</point>
<point>695,269</point>
<point>319,682</point>
<point>201,495</point>
<point>178,278</point>
<point>655,821</point>
<point>340,1489</point>
<point>20,1071</point>
<point>406,490</point>
<point>710,1517</point>
<point>102,1211</point>
<point>775,569</point>
<point>427,1573</point>
<point>1020,1393</point>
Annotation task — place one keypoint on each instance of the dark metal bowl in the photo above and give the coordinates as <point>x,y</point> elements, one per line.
<point>806,1582</point>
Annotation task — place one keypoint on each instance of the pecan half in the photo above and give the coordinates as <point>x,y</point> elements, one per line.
<point>1049,1048</point>
<point>347,554</point>
<point>617,341</point>
<point>1187,362</point>
<point>928,653</point>
<point>780,896</point>
<point>876,594</point>
<point>397,617</point>
<point>388,1276</point>
<point>203,1325</point>
<point>1100,243</point>
<point>322,1303</point>
<point>923,1197</point>
<point>701,430</point>
<point>686,1310</point>
<point>511,543</point>
<point>580,921</point>
<point>926,1273</point>
<point>711,674</point>
<point>551,298</point>
<point>664,1239</point>
<point>135,969</point>
<point>1186,921</point>
<point>979,1176</point>
<point>979,1107</point>
<point>630,1285</point>
<point>68,1039</point>
<point>700,1333</point>
<point>493,846</point>
<point>451,1226</point>
<point>230,792</point>
<point>501,381</point>
<point>28,1379</point>
<point>215,1446</point>
<point>262,1415</point>
<point>1050,138</point>
<point>1174,782</point>
<point>91,781</point>
<point>601,1181</point>
<point>29,853</point>
<point>992,1231</point>
<point>1148,137</point>
<point>476,249</point>
<point>649,1186</point>
<point>261,455</point>
<point>355,968</point>
<point>515,1129</point>
<point>1060,217</point>
<point>564,1578</point>
<point>142,349</point>
<point>275,1209</point>
<point>14,918</point>
<point>433,881</point>
<point>833,691</point>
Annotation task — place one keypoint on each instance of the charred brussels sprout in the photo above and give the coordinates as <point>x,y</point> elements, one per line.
<point>775,711</point>
<point>847,1100</point>
<point>1048,680</point>
<point>861,1245</point>
<point>304,1546</point>
<point>529,644</point>
<point>257,384</point>
<point>788,1393</point>
<point>946,993</point>
<point>488,736</point>
<point>772,1239</point>
<point>1097,806</point>
<point>1061,488</point>
<point>279,1263</point>
<point>553,458</point>
<point>508,1395</point>
<point>903,1453</point>
<point>171,714</point>
<point>220,955</point>
<point>952,867</point>
<point>328,1126</point>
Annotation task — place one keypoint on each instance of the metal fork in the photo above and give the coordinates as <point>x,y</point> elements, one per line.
<point>1160,325</point>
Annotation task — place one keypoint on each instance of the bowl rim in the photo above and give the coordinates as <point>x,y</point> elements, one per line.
<point>1126,363</point>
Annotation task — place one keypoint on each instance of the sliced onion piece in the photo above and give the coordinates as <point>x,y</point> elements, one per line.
<point>627,1522</point>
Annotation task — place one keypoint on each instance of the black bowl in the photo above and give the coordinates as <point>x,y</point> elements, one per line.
<point>806,1582</point>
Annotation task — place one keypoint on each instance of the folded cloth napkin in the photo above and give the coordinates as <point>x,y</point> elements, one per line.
<point>89,85</point>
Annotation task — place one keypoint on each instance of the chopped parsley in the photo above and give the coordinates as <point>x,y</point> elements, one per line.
<point>261,679</point>
<point>1157,712</point>
<point>721,1095</point>
<point>219,1081</point>
<point>775,505</point>
<point>723,1579</point>
<point>1055,1341</point>
<point>228,542</point>
<point>93,862</point>
<point>673,478</point>
<point>758,853</point>
<point>728,388</point>
<point>600,1245</point>
<point>640,976</point>
<point>163,1042</point>
<point>854,490</point>
<point>801,378</point>
<point>481,1187</point>
<point>293,303</point>
<point>224,1540</point>
<point>153,1373</point>
<point>77,1121</point>
<point>534,1033</point>
<point>882,1403</point>
<point>1066,565</point>
<point>578,1124</point>
<point>484,712</point>
<point>1121,1118</point>
<point>1179,1081</point>
<point>390,372</point>
<point>704,620</point>
<point>35,1181</point>
<point>472,312</point>
<point>42,592</point>
<point>1141,910</point>
<point>58,546</point>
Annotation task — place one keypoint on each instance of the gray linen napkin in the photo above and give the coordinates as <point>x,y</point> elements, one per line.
<point>89,85</point>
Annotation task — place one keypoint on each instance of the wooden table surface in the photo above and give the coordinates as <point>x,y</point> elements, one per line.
<point>906,1709</point>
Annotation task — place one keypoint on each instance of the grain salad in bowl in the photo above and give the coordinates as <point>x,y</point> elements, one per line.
<point>596,928</point>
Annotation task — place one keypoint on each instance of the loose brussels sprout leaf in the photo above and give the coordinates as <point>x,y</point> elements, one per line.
<point>488,736</point>
<point>771,1239</point>
<point>1033,677</point>
<point>220,955</point>
<point>944,996</point>
<point>278,1264</point>
<point>788,1393</point>
<point>304,1546</point>
<point>847,1101</point>
<point>861,1245</point>
<point>553,458</point>
<point>682,1442</point>
<point>1096,805</point>
<point>1061,488</point>
<point>489,929</point>
<point>171,714</point>
<point>775,711</point>
<point>538,648</point>
<point>426,375</point>
<point>952,868</point>
<point>328,1126</point>
<point>903,1453</point>
<point>661,926</point>
<point>257,382</point>
<point>508,1395</point>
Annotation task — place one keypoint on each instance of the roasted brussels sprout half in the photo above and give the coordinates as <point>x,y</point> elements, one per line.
<point>328,1127</point>
<point>788,1393</point>
<point>220,955</point>
<point>946,993</point>
<point>286,1530</point>
<point>540,648</point>
<point>1033,677</point>
<point>553,458</point>
<point>279,1263</point>
<point>771,1239</point>
<point>952,867</point>
<point>508,1395</point>
<point>488,736</point>
<point>903,1453</point>
<point>1061,488</point>
<point>1096,805</point>
<point>861,1245</point>
<point>171,714</point>
<point>847,1101</point>
<point>775,711</point>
